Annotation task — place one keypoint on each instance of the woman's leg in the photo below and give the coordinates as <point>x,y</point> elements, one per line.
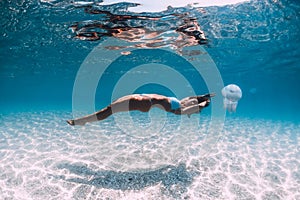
<point>126,103</point>
<point>132,102</point>
<point>100,115</point>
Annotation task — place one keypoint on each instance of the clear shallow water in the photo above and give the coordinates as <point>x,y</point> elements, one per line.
<point>43,159</point>
<point>254,44</point>
<point>257,50</point>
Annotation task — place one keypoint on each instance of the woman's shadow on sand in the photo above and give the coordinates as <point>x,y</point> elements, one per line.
<point>168,176</point>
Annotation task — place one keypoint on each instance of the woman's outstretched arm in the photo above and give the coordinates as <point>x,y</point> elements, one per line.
<point>194,108</point>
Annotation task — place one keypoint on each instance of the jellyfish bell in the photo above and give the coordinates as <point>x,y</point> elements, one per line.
<point>232,94</point>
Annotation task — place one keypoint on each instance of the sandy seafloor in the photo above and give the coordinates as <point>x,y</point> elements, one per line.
<point>44,158</point>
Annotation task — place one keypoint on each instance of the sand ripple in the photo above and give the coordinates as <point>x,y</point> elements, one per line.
<point>44,158</point>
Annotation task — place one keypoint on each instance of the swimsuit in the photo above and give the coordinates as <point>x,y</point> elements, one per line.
<point>175,103</point>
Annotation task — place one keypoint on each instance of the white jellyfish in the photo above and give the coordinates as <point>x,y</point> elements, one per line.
<point>232,94</point>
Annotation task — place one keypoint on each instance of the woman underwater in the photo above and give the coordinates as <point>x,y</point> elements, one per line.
<point>144,102</point>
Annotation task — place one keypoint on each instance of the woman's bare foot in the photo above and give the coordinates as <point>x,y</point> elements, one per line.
<point>71,122</point>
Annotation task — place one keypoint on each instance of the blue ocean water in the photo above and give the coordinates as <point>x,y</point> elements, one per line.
<point>254,44</point>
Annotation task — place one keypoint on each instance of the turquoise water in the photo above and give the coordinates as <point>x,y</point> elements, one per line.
<point>157,156</point>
